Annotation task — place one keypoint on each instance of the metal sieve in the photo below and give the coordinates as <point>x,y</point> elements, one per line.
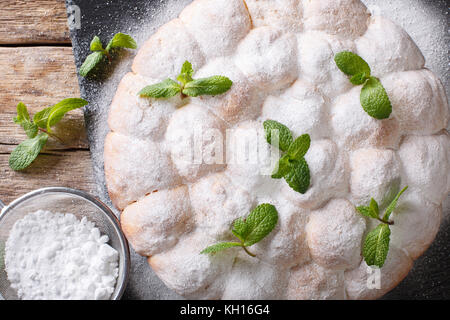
<point>64,200</point>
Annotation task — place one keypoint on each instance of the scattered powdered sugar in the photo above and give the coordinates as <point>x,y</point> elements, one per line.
<point>426,21</point>
<point>54,256</point>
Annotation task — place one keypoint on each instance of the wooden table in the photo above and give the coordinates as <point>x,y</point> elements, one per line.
<point>37,68</point>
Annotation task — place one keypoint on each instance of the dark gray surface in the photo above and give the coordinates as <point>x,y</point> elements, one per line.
<point>430,277</point>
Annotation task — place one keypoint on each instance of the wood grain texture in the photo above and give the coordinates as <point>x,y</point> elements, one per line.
<point>39,77</point>
<point>70,168</point>
<point>33,21</point>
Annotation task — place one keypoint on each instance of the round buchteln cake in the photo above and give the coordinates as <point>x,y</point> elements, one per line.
<point>280,57</point>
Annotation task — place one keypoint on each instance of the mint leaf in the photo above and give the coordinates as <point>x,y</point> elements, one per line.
<point>284,135</point>
<point>121,40</point>
<point>365,211</point>
<point>96,44</point>
<point>23,119</point>
<point>374,210</point>
<point>393,204</point>
<point>219,247</point>
<point>49,116</point>
<point>261,221</point>
<point>299,147</point>
<point>299,177</point>
<point>22,113</point>
<point>186,73</point>
<point>26,152</point>
<point>166,89</point>
<point>211,86</point>
<point>375,100</point>
<point>41,118</point>
<point>240,229</point>
<point>376,246</point>
<point>283,168</point>
<point>58,111</point>
<point>91,62</point>
<point>30,128</point>
<point>353,65</point>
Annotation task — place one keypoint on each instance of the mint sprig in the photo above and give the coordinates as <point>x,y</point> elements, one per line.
<point>292,166</point>
<point>120,40</point>
<point>187,86</point>
<point>376,244</point>
<point>374,98</point>
<point>251,230</point>
<point>27,151</point>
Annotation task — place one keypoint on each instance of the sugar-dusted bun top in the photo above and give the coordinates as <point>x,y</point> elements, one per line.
<point>280,57</point>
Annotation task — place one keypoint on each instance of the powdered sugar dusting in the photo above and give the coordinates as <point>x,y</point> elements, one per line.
<point>428,27</point>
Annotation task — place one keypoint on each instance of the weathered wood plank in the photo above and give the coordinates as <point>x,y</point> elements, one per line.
<point>38,76</point>
<point>36,21</point>
<point>67,169</point>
